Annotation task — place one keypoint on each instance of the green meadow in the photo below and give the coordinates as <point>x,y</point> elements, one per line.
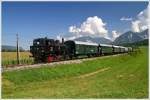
<point>123,76</point>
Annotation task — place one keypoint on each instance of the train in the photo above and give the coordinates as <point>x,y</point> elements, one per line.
<point>49,50</point>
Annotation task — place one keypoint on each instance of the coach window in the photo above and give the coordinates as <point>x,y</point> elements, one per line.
<point>77,46</point>
<point>49,42</point>
<point>37,42</point>
<point>51,49</point>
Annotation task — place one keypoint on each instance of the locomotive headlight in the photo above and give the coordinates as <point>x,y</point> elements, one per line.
<point>42,51</point>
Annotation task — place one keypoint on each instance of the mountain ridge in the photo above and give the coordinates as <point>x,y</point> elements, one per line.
<point>127,37</point>
<point>131,37</point>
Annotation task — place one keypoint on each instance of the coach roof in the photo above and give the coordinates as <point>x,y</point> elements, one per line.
<point>86,43</point>
<point>106,45</point>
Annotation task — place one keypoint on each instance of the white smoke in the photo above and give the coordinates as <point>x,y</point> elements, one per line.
<point>59,37</point>
<point>115,34</point>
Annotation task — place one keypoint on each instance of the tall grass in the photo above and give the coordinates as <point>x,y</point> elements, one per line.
<point>10,58</point>
<point>6,63</point>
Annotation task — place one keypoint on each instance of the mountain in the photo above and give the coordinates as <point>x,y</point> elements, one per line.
<point>10,48</point>
<point>131,37</point>
<point>144,34</point>
<point>94,39</point>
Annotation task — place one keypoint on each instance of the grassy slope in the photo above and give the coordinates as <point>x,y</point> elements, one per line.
<point>127,77</point>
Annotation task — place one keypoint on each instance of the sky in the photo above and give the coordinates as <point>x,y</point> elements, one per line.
<point>70,20</point>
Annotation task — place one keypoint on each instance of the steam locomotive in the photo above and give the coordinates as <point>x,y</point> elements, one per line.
<point>48,50</point>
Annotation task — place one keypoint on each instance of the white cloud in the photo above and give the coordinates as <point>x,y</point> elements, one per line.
<point>115,34</point>
<point>135,26</point>
<point>74,29</point>
<point>126,19</point>
<point>93,26</point>
<point>141,22</point>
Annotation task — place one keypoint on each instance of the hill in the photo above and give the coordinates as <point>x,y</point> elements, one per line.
<point>8,48</point>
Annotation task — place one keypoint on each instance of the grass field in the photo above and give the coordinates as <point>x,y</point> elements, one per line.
<point>124,76</point>
<point>9,58</point>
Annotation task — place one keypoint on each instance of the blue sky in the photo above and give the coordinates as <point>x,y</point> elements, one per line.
<point>40,19</point>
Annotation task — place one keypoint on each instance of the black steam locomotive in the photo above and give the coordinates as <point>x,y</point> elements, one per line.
<point>48,50</point>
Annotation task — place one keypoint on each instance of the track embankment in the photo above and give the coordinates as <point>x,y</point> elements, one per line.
<point>52,64</point>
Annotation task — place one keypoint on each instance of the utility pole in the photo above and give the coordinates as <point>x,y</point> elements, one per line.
<point>17,49</point>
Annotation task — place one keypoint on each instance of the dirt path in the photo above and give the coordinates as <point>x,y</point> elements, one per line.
<point>93,73</point>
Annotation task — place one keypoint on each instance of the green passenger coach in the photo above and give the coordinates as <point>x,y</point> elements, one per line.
<point>81,48</point>
<point>116,49</point>
<point>106,49</point>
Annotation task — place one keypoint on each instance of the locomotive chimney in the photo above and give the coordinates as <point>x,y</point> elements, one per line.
<point>62,40</point>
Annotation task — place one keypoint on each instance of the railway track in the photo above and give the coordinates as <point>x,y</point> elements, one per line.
<point>52,64</point>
